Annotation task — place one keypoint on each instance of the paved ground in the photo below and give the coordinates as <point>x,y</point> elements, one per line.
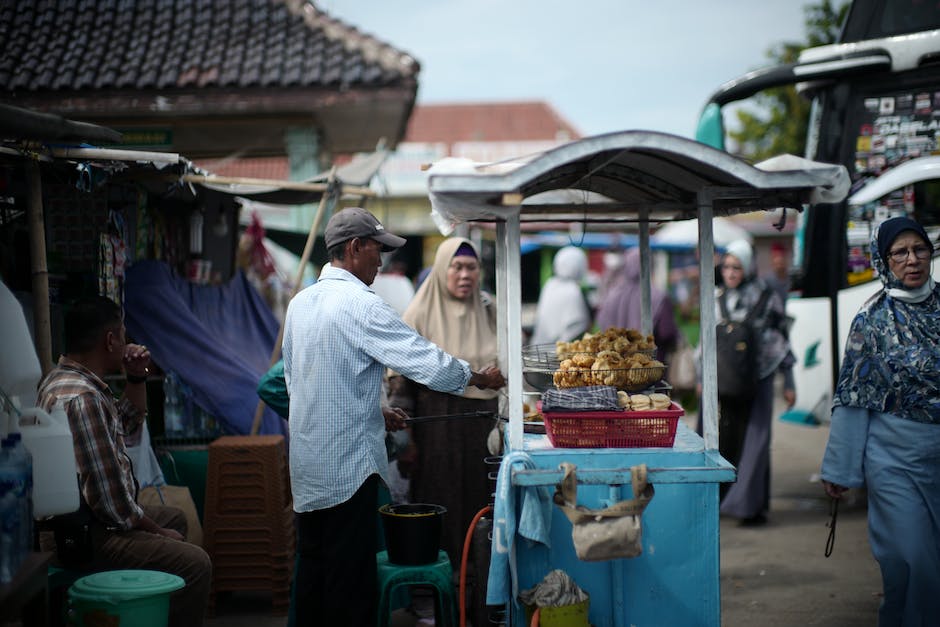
<point>772,576</point>
<point>778,575</point>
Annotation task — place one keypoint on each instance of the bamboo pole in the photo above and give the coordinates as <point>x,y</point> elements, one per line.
<point>40,273</point>
<point>298,279</point>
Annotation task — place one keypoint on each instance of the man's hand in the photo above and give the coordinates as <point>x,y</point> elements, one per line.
<point>136,360</point>
<point>789,397</point>
<point>489,378</point>
<point>394,418</point>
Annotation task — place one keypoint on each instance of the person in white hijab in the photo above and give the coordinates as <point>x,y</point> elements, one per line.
<point>745,422</point>
<point>563,313</point>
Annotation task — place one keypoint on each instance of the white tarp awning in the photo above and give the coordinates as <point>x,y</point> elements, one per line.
<point>357,173</point>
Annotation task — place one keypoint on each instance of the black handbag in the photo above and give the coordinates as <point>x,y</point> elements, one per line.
<point>737,345</point>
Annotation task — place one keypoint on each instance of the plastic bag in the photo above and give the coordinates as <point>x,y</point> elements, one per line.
<point>610,533</point>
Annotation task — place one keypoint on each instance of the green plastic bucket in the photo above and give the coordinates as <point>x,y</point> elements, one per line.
<point>136,598</point>
<point>575,615</point>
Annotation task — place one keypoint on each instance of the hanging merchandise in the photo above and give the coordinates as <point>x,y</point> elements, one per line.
<point>106,281</point>
<point>112,258</point>
<point>144,224</point>
<point>195,233</point>
<point>118,237</point>
<point>259,258</point>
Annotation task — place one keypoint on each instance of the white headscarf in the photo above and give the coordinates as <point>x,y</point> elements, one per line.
<point>562,312</point>
<point>743,252</point>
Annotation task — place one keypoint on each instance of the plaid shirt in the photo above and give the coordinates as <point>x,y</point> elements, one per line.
<point>99,423</point>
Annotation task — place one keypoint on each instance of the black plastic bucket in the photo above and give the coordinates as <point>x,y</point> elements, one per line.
<point>412,532</point>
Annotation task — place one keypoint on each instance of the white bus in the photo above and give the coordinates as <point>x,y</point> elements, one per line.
<point>875,109</point>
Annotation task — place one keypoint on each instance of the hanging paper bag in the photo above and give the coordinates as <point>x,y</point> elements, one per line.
<point>610,533</point>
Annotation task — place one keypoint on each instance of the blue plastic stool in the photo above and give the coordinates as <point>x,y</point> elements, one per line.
<point>437,575</point>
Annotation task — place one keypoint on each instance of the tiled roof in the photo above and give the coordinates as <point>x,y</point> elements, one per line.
<point>444,124</point>
<point>70,45</point>
<point>254,167</point>
<point>488,122</point>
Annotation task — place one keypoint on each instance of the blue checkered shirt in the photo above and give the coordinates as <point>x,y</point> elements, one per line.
<point>339,337</point>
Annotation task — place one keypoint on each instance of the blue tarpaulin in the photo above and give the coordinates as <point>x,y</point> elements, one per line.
<point>217,338</point>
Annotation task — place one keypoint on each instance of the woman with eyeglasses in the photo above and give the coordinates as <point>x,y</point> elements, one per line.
<point>744,422</point>
<point>885,431</point>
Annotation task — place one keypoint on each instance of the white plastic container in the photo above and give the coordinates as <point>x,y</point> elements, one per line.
<point>19,366</point>
<point>49,439</point>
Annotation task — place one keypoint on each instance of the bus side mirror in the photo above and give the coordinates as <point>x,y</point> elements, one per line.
<point>711,128</point>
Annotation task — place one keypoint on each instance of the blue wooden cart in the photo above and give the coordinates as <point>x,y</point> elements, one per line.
<point>631,178</point>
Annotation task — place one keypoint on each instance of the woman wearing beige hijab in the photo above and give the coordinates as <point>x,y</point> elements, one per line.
<point>450,310</point>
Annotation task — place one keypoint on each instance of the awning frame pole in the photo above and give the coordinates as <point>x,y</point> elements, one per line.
<point>646,315</point>
<point>42,329</point>
<point>298,280</point>
<point>509,329</point>
<point>707,333</point>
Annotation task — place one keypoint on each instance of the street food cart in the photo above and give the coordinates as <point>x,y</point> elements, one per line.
<point>642,178</point>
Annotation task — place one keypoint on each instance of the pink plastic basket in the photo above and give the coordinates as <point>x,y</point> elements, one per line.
<point>613,429</point>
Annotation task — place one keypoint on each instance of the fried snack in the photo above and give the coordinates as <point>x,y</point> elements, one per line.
<point>657,370</point>
<point>640,402</point>
<point>619,339</point>
<point>623,399</point>
<point>569,375</point>
<point>616,357</point>
<point>531,413</point>
<point>558,378</point>
<point>583,360</point>
<point>608,368</point>
<point>660,401</point>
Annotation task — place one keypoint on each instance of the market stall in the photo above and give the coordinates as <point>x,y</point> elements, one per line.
<point>628,177</point>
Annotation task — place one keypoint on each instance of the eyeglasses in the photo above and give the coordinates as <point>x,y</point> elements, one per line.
<point>459,267</point>
<point>900,255</point>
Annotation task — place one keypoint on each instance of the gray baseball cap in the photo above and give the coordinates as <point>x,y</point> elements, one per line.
<point>357,222</point>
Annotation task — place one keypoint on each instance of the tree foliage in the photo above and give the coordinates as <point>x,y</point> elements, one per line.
<point>778,121</point>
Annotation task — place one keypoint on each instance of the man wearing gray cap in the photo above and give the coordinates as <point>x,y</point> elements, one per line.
<point>339,337</point>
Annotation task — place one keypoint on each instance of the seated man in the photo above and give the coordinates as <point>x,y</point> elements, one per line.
<point>123,535</point>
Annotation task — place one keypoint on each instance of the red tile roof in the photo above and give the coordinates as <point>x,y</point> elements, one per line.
<point>448,124</point>
<point>488,122</point>
<point>251,167</point>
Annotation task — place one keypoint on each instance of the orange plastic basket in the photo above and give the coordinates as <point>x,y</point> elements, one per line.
<point>613,429</point>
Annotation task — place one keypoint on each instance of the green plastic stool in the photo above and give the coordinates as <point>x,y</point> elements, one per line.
<point>58,582</point>
<point>437,575</point>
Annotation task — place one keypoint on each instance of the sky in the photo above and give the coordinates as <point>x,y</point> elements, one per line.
<point>604,65</point>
